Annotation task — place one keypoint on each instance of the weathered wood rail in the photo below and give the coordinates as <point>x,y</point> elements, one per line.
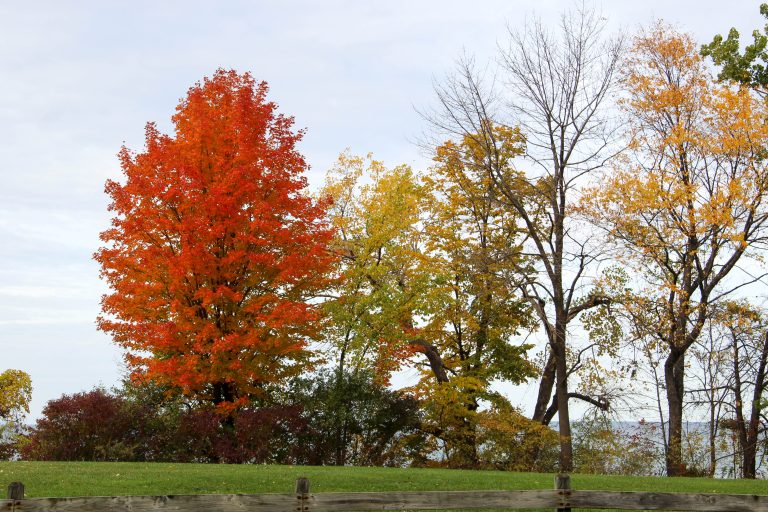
<point>562,499</point>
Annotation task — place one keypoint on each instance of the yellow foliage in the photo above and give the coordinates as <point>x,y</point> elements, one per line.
<point>15,393</point>
<point>512,442</point>
<point>474,245</point>
<point>377,212</point>
<point>694,197</point>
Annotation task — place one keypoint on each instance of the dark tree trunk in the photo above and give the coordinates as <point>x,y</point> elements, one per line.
<point>748,432</point>
<point>674,374</point>
<point>546,385</point>
<point>563,416</point>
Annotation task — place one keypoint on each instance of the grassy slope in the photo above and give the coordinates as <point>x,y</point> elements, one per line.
<point>109,479</point>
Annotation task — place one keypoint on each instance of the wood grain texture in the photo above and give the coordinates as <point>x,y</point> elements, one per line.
<point>186,503</point>
<point>328,502</point>
<point>432,500</point>
<point>16,491</point>
<point>669,501</point>
<point>563,486</point>
<point>363,501</point>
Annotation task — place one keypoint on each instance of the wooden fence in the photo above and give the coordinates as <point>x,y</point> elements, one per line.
<point>562,498</point>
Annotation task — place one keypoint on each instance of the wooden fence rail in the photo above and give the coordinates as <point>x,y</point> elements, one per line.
<point>562,499</point>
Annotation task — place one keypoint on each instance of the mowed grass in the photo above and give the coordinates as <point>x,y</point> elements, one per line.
<point>49,479</point>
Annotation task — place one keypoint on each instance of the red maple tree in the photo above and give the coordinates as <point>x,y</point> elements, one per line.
<point>215,250</point>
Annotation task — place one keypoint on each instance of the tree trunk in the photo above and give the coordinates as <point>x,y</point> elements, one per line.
<point>712,436</point>
<point>546,385</point>
<point>746,433</point>
<point>674,374</point>
<point>466,450</point>
<point>563,416</point>
<point>749,459</point>
<point>340,440</point>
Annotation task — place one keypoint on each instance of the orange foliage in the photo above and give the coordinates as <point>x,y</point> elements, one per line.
<point>215,250</point>
<point>690,205</point>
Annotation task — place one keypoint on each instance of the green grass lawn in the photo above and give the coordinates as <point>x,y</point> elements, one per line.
<point>48,479</point>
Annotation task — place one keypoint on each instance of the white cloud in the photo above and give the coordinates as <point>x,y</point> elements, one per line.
<point>36,292</point>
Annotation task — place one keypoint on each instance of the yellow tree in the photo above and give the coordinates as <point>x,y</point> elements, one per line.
<point>425,266</point>
<point>372,313</point>
<point>688,205</point>
<point>474,250</point>
<point>15,395</point>
<point>376,212</point>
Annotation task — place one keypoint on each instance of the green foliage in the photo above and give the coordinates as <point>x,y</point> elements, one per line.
<point>602,448</point>
<point>355,421</point>
<point>749,66</point>
<point>596,364</point>
<point>603,323</point>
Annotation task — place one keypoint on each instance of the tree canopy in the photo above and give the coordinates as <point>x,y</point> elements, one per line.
<point>215,249</point>
<point>690,205</point>
<point>15,394</point>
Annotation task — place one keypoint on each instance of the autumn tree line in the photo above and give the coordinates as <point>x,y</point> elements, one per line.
<point>594,222</point>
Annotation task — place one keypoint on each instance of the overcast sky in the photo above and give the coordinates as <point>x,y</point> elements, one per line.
<point>78,79</point>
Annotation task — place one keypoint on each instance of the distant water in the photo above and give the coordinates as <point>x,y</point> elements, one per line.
<point>695,447</point>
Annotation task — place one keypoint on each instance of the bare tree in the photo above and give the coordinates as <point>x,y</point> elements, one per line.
<point>749,381</point>
<point>732,379</point>
<point>711,386</point>
<point>557,87</point>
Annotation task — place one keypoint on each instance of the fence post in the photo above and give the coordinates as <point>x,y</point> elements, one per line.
<point>563,487</point>
<point>302,494</point>
<point>15,494</point>
<point>16,491</point>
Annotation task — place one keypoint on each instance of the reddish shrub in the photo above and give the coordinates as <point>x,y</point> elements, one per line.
<point>94,425</point>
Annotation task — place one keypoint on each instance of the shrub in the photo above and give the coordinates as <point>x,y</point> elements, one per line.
<point>96,425</point>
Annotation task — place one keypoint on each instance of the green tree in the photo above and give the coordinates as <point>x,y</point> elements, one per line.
<point>355,421</point>
<point>376,212</point>
<point>748,66</point>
